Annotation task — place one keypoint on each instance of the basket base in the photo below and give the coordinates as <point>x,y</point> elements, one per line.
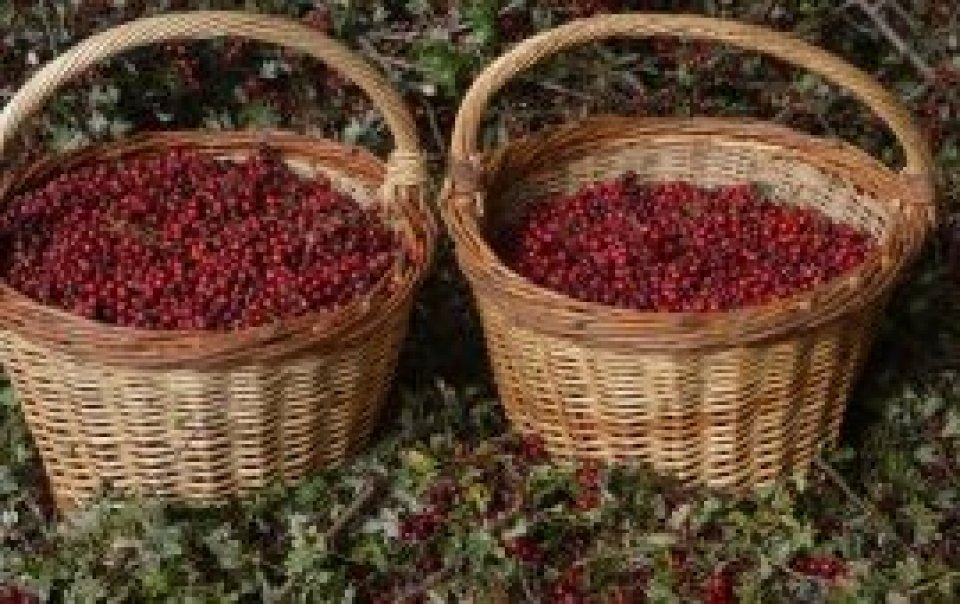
<point>728,419</point>
<point>197,437</point>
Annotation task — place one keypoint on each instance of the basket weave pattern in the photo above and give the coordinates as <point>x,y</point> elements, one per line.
<point>203,416</point>
<point>732,399</point>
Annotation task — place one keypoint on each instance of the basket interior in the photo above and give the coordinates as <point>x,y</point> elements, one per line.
<point>351,170</point>
<point>783,178</point>
<point>363,191</point>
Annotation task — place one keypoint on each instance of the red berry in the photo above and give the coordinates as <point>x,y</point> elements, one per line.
<point>526,550</point>
<point>14,595</point>
<point>674,247</point>
<point>569,587</point>
<point>533,447</point>
<point>677,560</point>
<point>823,567</point>
<point>588,476</point>
<point>429,564</point>
<point>441,496</point>
<point>420,527</point>
<point>184,241</point>
<point>587,500</point>
<point>719,588</point>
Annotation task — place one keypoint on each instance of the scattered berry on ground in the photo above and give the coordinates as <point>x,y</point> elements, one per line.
<point>719,588</point>
<point>822,567</point>
<point>420,527</point>
<point>526,550</point>
<point>15,595</point>
<point>533,448</point>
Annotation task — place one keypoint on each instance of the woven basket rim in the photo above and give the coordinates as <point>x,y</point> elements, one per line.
<point>489,273</point>
<point>327,327</point>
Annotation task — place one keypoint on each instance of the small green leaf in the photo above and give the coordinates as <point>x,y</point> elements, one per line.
<point>259,115</point>
<point>444,65</point>
<point>481,18</point>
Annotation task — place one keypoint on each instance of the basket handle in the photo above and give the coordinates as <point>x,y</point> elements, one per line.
<point>782,46</point>
<point>405,166</point>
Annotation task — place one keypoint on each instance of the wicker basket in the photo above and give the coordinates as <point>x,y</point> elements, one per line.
<point>731,399</point>
<point>202,416</point>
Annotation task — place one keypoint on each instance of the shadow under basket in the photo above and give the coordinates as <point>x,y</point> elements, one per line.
<point>728,399</point>
<point>198,416</point>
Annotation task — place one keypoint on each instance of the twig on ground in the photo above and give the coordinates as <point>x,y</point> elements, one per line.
<point>873,9</point>
<point>904,15</point>
<point>386,62</point>
<point>423,586</point>
<point>561,89</point>
<point>394,36</point>
<point>367,493</point>
<point>924,586</point>
<point>438,139</point>
<point>783,116</point>
<point>527,592</point>
<point>863,504</point>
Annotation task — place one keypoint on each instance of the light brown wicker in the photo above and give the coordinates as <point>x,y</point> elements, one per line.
<point>732,399</point>
<point>201,416</point>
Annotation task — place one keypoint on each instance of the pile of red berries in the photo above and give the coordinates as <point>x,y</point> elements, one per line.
<point>14,595</point>
<point>675,247</point>
<point>185,241</point>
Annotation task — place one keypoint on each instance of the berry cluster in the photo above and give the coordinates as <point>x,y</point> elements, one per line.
<point>420,527</point>
<point>15,595</point>
<point>675,247</point>
<point>532,448</point>
<point>424,525</point>
<point>569,587</point>
<point>525,549</point>
<point>719,588</point>
<point>184,241</point>
<point>588,483</point>
<point>827,568</point>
